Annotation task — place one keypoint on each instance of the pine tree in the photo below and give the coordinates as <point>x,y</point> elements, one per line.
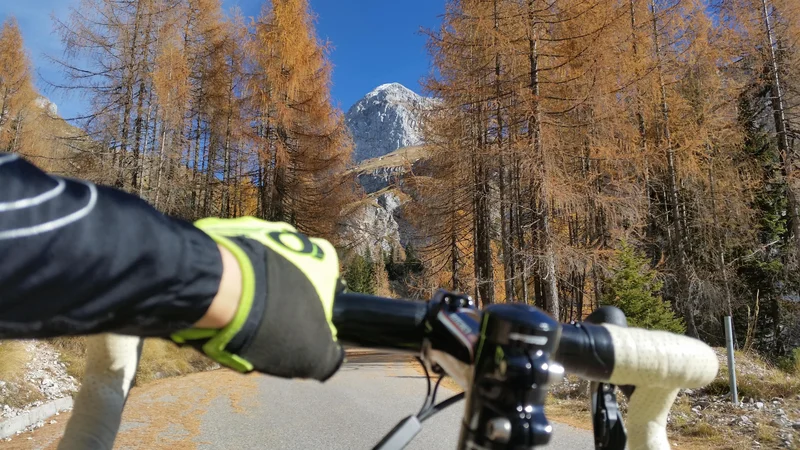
<point>633,287</point>
<point>359,274</point>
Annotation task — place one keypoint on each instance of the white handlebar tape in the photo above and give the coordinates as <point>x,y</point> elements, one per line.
<point>658,364</point>
<point>111,363</point>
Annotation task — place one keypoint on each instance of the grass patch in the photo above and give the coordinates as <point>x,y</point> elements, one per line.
<point>766,434</point>
<point>681,413</point>
<point>701,429</point>
<point>399,157</point>
<point>576,413</point>
<point>775,385</point>
<point>13,358</point>
<point>767,384</point>
<point>17,392</point>
<point>20,394</point>
<point>72,351</point>
<point>160,359</point>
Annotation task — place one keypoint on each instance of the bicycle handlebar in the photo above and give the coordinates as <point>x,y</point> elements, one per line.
<point>659,364</point>
<point>656,362</point>
<point>380,323</point>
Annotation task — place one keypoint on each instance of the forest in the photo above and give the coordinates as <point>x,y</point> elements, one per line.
<point>598,141</point>
<point>581,152</point>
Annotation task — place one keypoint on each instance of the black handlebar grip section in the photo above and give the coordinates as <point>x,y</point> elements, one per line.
<point>614,316</point>
<point>586,350</point>
<point>608,314</point>
<point>377,322</point>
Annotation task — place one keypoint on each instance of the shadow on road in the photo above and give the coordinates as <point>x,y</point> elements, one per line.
<point>362,359</point>
<point>357,357</point>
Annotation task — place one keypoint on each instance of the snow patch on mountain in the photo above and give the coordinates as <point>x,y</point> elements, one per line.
<point>49,107</point>
<point>386,119</point>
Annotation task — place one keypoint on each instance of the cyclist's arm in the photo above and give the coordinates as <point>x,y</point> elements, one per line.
<point>78,258</point>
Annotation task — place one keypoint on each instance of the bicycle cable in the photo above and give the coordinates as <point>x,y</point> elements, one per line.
<point>429,406</point>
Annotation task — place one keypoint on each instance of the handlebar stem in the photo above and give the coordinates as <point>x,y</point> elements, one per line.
<point>513,368</point>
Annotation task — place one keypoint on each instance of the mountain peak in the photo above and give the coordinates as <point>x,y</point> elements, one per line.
<point>385,119</point>
<point>391,88</point>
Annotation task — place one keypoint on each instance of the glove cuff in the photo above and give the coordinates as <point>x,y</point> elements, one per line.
<point>223,345</point>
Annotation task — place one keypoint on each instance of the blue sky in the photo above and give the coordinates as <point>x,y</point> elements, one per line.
<point>375,41</point>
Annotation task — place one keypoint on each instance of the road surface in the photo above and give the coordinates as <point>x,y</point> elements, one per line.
<point>222,410</point>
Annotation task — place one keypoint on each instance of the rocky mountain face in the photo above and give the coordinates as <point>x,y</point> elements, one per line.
<point>378,223</point>
<point>379,178</point>
<point>386,130</point>
<point>372,227</point>
<point>386,119</point>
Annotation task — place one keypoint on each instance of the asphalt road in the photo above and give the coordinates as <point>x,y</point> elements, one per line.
<point>224,410</point>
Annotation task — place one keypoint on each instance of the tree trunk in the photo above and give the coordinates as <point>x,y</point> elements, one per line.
<point>779,116</point>
<point>128,86</point>
<point>642,127</point>
<point>161,159</point>
<point>718,235</point>
<point>505,247</point>
<point>547,264</point>
<point>454,259</point>
<point>522,266</point>
<point>483,251</point>
<point>140,123</point>
<point>679,247</point>
<point>195,163</point>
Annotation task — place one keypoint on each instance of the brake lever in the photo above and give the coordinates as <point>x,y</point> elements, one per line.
<point>403,433</point>
<point>609,429</point>
<point>408,428</point>
<point>444,321</point>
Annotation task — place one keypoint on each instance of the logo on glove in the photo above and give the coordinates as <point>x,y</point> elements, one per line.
<point>308,247</point>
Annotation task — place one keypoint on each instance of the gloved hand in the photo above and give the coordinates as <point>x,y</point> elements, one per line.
<point>283,325</point>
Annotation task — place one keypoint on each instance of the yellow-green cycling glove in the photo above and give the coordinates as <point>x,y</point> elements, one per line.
<point>283,324</point>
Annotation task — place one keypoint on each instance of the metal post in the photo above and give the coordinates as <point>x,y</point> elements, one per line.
<point>731,362</point>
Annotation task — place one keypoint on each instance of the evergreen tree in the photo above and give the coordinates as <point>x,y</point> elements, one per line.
<point>767,272</point>
<point>634,288</point>
<point>360,274</point>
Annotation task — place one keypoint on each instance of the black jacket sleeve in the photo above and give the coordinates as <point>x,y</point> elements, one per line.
<point>76,258</point>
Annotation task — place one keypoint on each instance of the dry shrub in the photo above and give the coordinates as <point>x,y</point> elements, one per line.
<point>160,359</point>
<point>701,429</point>
<point>766,434</point>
